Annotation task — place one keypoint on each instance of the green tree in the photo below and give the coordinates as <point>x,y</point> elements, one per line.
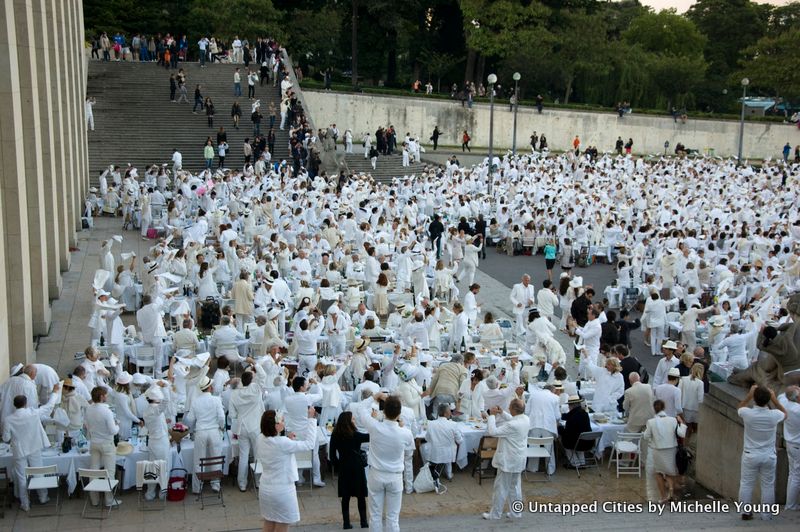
<point>665,32</point>
<point>318,45</point>
<point>437,64</point>
<point>227,18</point>
<point>773,65</point>
<point>499,28</point>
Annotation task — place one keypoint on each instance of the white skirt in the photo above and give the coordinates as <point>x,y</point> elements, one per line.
<point>278,502</point>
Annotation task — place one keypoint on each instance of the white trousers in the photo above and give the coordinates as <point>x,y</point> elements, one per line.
<point>336,343</point>
<point>385,497</point>
<point>793,486</point>
<point>656,337</point>
<point>758,466</point>
<point>247,443</point>
<point>207,443</point>
<point>103,455</point>
<point>90,122</point>
<point>507,487</point>
<point>20,482</point>
<point>468,270</point>
<point>349,147</point>
<point>520,322</point>
<point>306,364</point>
<point>689,339</point>
<point>408,473</point>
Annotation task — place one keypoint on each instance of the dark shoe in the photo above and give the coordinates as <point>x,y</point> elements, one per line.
<point>747,517</point>
<point>364,525</point>
<point>347,526</point>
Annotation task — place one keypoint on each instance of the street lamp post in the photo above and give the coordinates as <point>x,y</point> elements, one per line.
<point>745,83</point>
<point>517,76</point>
<point>492,79</point>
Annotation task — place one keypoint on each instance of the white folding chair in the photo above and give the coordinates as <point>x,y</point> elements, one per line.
<point>540,448</point>
<point>255,473</point>
<point>98,481</point>
<point>304,461</point>
<point>627,454</point>
<point>146,360</point>
<point>43,478</point>
<point>672,317</point>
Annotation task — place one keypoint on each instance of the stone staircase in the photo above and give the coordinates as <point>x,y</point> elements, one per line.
<point>388,166</point>
<point>136,123</point>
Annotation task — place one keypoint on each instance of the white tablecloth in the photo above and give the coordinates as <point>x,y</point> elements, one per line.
<point>472,434</point>
<point>610,431</point>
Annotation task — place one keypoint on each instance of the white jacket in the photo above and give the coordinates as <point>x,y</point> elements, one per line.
<point>520,295</point>
<point>23,428</point>
<point>443,435</point>
<point>511,454</point>
<point>247,404</point>
<point>543,410</point>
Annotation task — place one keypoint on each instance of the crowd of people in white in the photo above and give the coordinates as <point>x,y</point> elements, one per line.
<point>353,303</point>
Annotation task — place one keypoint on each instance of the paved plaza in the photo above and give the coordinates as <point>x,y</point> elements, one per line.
<point>458,509</point>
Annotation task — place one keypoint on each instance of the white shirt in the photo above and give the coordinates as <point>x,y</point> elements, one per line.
<point>100,423</point>
<point>522,297</point>
<point>662,369</point>
<point>547,302</point>
<point>307,340</point>
<point>759,428</point>
<point>512,446</point>
<point>23,428</point>
<point>150,319</point>
<point>543,410</point>
<point>791,425</point>
<point>443,435</point>
<point>671,395</point>
<point>389,443</point>
<point>247,404</point>
<point>276,455</point>
<point>296,406</point>
<point>206,413</point>
<point>692,393</point>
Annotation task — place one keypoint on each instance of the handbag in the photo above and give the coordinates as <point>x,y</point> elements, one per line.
<point>424,481</point>
<point>361,457</point>
<point>683,458</point>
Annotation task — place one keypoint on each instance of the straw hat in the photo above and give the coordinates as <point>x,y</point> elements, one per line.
<point>124,378</point>
<point>674,372</point>
<point>669,344</point>
<point>124,448</point>
<point>205,383</point>
<point>361,344</point>
<point>574,400</point>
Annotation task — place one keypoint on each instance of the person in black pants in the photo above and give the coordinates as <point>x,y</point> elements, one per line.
<point>347,457</point>
<point>435,230</point>
<point>480,229</point>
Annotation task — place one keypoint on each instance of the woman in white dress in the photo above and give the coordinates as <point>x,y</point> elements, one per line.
<point>277,496</point>
<point>123,405</point>
<point>206,285</point>
<point>692,392</point>
<point>661,434</point>
<point>470,395</point>
<point>565,298</point>
<point>155,420</point>
<point>381,296</point>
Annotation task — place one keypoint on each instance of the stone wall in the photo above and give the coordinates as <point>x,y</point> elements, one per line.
<point>363,112</point>
<point>720,441</point>
<point>43,163</point>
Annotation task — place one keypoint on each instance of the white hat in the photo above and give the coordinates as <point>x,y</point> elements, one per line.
<point>564,275</point>
<point>674,372</point>
<point>669,344</point>
<point>139,379</point>
<point>574,399</point>
<point>361,344</point>
<point>124,378</point>
<point>16,369</point>
<point>576,282</point>
<point>273,313</point>
<point>92,189</point>
<point>205,383</point>
<point>717,321</point>
<point>154,394</point>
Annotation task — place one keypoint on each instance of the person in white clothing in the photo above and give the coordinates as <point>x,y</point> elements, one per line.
<point>460,328</point>
<point>89,106</point>
<point>155,420</point>
<point>692,394</point>
<point>544,412</point>
<point>296,404</point>
<point>306,336</point>
<point>101,428</point>
<point>791,436</point>
<point>471,307</point>
<point>23,429</point>
<point>277,495</point>
<point>655,315</point>
<point>589,336</point>
<point>207,417</point>
<point>443,437</point>
<point>665,364</point>
<point>522,297</point>
<point>390,443</point>
<point>547,300</point>
<point>758,453</point>
<point>510,457</point>
<point>246,406</point>
<point>670,394</point>
<point>150,319</point>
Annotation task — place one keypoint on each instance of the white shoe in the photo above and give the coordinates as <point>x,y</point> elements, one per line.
<point>25,508</point>
<point>319,484</point>
<point>114,504</point>
<point>487,515</point>
<point>215,489</point>
<point>512,515</point>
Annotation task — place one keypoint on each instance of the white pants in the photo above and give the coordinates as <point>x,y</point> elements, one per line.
<point>520,322</point>
<point>158,449</point>
<point>20,482</point>
<point>385,493</point>
<point>408,473</point>
<point>507,487</point>
<point>207,443</point>
<point>793,486</point>
<point>90,122</point>
<point>247,443</point>
<point>336,343</point>
<point>656,337</point>
<point>758,465</point>
<point>366,151</point>
<point>689,339</point>
<point>374,161</point>
<point>468,270</point>
<point>306,364</point>
<point>283,121</point>
<point>348,146</point>
<point>103,455</point>
<point>158,346</point>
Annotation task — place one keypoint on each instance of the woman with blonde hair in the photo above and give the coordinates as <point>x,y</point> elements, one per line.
<point>692,393</point>
<point>609,385</point>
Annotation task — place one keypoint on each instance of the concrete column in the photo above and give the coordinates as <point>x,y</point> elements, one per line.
<point>79,133</point>
<point>17,299</point>
<point>28,65</point>
<point>44,52</point>
<point>57,74</point>
<point>82,80</point>
<point>67,102</point>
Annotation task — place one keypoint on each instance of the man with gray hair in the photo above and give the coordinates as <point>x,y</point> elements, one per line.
<point>791,435</point>
<point>638,403</point>
<point>510,458</point>
<point>497,396</point>
<point>443,436</point>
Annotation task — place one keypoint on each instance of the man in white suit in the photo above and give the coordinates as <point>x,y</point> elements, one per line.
<point>523,298</point>
<point>510,457</point>
<point>544,411</point>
